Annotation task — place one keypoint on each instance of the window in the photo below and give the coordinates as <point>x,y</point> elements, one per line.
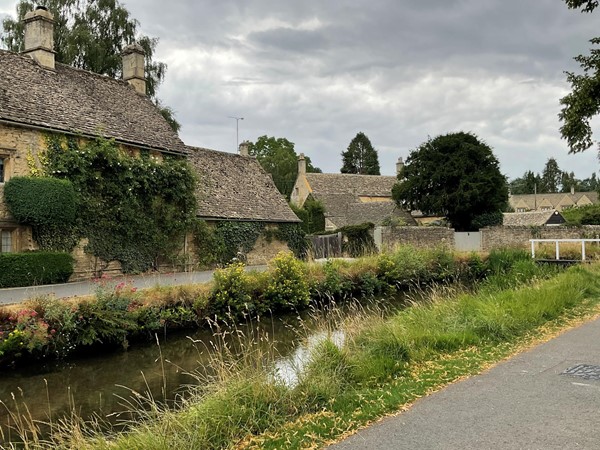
<point>6,241</point>
<point>2,165</point>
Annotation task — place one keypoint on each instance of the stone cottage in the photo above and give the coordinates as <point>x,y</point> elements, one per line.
<point>551,202</point>
<point>236,188</point>
<point>350,199</point>
<point>40,97</point>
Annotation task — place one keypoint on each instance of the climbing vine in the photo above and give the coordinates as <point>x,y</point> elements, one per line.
<point>134,210</point>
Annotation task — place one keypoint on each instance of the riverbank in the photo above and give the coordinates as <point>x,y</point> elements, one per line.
<point>380,365</point>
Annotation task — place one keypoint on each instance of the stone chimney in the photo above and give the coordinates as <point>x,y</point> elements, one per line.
<point>400,166</point>
<point>572,189</point>
<point>301,164</point>
<point>245,148</point>
<point>134,63</point>
<point>39,36</point>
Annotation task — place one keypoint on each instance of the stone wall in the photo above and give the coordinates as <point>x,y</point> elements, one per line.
<point>416,236</point>
<point>497,237</point>
<point>264,251</point>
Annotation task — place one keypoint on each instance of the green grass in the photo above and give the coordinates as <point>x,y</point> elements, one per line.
<point>384,364</point>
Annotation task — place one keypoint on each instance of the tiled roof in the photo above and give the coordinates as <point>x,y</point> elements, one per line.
<point>551,200</point>
<point>80,102</point>
<point>532,218</point>
<point>358,185</point>
<point>234,187</point>
<point>341,196</point>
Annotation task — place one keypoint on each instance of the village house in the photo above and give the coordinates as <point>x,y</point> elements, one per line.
<point>551,202</point>
<point>350,199</point>
<point>236,188</point>
<point>41,97</point>
<point>533,219</point>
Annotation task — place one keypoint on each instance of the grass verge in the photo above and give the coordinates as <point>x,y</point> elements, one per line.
<point>383,365</point>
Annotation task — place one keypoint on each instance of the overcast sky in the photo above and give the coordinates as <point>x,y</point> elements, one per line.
<point>318,72</point>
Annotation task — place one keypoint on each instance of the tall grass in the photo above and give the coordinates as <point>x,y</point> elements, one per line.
<point>242,398</point>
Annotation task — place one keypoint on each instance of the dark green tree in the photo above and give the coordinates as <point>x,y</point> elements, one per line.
<point>525,184</point>
<point>278,157</point>
<point>551,177</point>
<point>454,175</point>
<point>360,157</point>
<point>583,102</point>
<point>89,35</point>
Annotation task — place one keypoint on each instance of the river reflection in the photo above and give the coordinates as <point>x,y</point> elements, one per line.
<point>95,384</point>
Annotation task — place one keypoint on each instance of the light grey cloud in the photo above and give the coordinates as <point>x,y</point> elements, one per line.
<point>318,72</point>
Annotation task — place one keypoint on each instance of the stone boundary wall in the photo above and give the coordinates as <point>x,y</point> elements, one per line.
<point>417,236</point>
<point>497,237</point>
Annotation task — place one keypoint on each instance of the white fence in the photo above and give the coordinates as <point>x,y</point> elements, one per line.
<point>557,243</point>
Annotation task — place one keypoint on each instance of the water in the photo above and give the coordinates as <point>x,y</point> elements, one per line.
<point>98,384</point>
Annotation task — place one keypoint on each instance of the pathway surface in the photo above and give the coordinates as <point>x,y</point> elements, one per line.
<point>16,295</point>
<point>527,402</point>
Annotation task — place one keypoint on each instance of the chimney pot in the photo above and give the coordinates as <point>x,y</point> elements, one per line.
<point>134,63</point>
<point>301,164</point>
<point>399,166</point>
<point>39,37</point>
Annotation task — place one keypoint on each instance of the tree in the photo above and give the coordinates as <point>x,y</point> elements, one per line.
<point>551,177</point>
<point>527,184</point>
<point>583,103</point>
<point>453,175</point>
<point>89,35</point>
<point>360,157</point>
<point>278,157</point>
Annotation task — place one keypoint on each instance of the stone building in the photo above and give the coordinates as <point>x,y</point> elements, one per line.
<point>350,199</point>
<point>551,202</point>
<point>236,188</point>
<point>40,97</point>
<point>533,219</point>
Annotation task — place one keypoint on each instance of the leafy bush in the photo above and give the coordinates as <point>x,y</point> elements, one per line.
<point>488,220</point>
<point>34,268</point>
<point>41,201</point>
<point>312,215</point>
<point>232,293</point>
<point>288,285</point>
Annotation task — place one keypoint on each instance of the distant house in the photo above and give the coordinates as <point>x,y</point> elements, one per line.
<point>551,202</point>
<point>39,97</point>
<point>533,218</point>
<point>349,199</point>
<point>236,188</point>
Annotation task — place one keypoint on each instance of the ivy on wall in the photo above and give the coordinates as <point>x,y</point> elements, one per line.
<point>135,210</point>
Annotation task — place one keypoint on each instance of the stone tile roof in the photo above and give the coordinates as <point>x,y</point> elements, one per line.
<point>555,200</point>
<point>234,187</point>
<point>358,185</point>
<point>341,195</point>
<point>532,218</point>
<point>76,101</point>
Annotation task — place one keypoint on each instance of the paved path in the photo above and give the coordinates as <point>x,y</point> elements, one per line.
<point>16,295</point>
<point>524,403</point>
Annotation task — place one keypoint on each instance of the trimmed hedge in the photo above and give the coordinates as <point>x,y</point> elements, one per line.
<point>34,268</point>
<point>43,201</point>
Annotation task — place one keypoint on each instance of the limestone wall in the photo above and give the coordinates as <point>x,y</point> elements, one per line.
<point>264,251</point>
<point>497,237</point>
<point>416,236</point>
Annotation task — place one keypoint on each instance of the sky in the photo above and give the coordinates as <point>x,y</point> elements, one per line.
<point>400,71</point>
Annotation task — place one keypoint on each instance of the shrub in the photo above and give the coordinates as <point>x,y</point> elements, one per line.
<point>34,268</point>
<point>488,220</point>
<point>232,293</point>
<point>288,285</point>
<point>41,201</point>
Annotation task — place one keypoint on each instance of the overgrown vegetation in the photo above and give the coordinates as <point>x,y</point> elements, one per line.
<point>34,268</point>
<point>582,215</point>
<point>312,215</point>
<point>382,364</point>
<point>357,240</point>
<point>132,209</point>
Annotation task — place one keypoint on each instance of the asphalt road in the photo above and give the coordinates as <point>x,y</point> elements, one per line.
<point>526,402</point>
<point>17,295</point>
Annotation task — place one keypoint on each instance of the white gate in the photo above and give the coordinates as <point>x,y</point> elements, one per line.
<point>469,241</point>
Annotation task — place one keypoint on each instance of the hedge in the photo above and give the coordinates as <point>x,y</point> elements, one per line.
<point>34,268</point>
<point>42,201</point>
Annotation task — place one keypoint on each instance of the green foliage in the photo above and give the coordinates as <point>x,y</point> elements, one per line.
<point>206,242</point>
<point>453,175</point>
<point>312,215</point>
<point>236,239</point>
<point>551,177</point>
<point>582,215</point>
<point>288,286</point>
<point>134,210</point>
<point>232,293</point>
<point>295,237</point>
<point>360,157</point>
<point>358,239</point>
<point>490,219</point>
<point>278,157</point>
<point>34,268</point>
<point>40,201</point>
